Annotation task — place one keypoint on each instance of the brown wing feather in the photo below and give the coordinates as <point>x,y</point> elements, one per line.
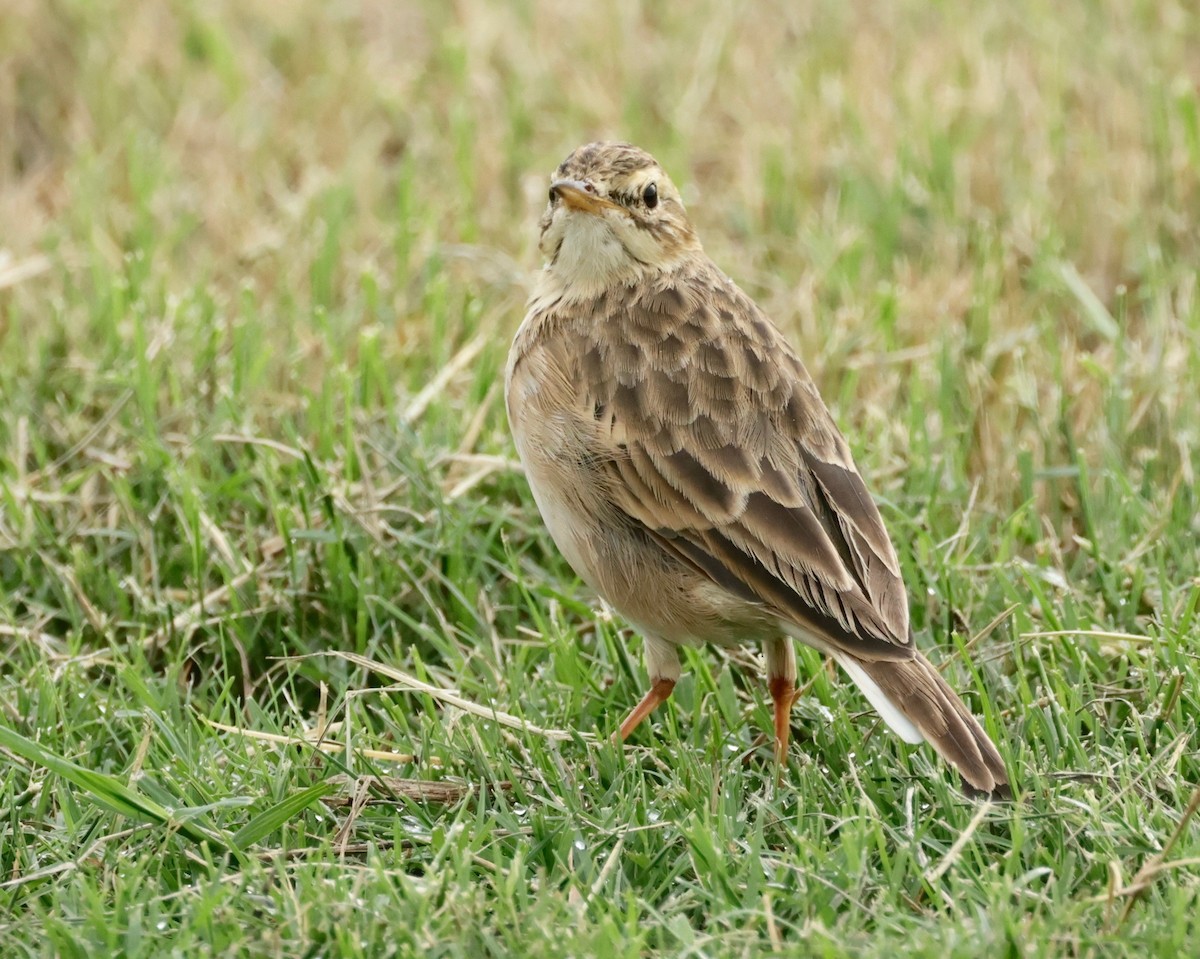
<point>722,448</point>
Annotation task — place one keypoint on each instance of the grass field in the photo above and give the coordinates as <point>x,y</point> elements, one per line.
<point>262,532</point>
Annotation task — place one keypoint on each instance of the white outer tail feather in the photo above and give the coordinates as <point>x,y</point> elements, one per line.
<point>897,722</point>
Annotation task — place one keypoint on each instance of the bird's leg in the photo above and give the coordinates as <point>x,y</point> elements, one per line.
<point>659,693</point>
<point>782,691</point>
<point>662,661</point>
<point>781,681</point>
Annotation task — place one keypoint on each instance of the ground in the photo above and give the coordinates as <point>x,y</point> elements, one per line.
<point>262,532</point>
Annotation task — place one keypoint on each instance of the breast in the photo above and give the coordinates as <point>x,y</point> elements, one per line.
<point>562,443</point>
<point>544,405</point>
<point>618,559</point>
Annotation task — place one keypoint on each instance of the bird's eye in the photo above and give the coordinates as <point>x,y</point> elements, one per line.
<point>650,196</point>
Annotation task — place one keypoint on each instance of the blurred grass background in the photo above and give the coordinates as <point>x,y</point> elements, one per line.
<point>259,266</point>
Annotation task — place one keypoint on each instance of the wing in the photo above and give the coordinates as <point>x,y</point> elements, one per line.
<point>717,442</point>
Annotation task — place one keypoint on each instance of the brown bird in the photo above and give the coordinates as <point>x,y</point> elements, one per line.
<point>689,472</point>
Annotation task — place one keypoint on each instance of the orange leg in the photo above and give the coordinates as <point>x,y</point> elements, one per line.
<point>659,693</point>
<point>783,691</point>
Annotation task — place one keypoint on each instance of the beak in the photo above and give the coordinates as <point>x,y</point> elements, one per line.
<point>580,196</point>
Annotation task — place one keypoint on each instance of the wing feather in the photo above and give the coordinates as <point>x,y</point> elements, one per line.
<point>723,450</point>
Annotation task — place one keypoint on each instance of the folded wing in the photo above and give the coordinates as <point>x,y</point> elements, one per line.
<point>719,445</point>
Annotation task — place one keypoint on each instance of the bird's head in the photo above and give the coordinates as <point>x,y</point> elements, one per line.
<point>614,217</point>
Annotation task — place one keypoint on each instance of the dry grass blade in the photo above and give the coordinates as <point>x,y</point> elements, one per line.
<point>772,927</point>
<point>189,618</point>
<point>357,798</point>
<point>1155,865</point>
<point>435,387</point>
<point>367,790</point>
<point>14,272</point>
<point>955,850</point>
<point>318,743</point>
<point>453,698</point>
<point>487,466</point>
<point>610,864</point>
<point>1092,633</point>
<point>289,451</point>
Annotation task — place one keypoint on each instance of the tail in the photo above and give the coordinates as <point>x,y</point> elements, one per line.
<point>918,704</point>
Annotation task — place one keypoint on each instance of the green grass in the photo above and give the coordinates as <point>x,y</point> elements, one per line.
<point>259,266</point>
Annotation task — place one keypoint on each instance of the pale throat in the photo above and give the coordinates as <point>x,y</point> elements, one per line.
<point>594,256</point>
<point>590,259</point>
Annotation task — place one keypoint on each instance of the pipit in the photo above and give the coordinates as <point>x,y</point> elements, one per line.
<point>690,473</point>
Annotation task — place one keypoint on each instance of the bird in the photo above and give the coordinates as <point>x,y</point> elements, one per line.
<point>689,472</point>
